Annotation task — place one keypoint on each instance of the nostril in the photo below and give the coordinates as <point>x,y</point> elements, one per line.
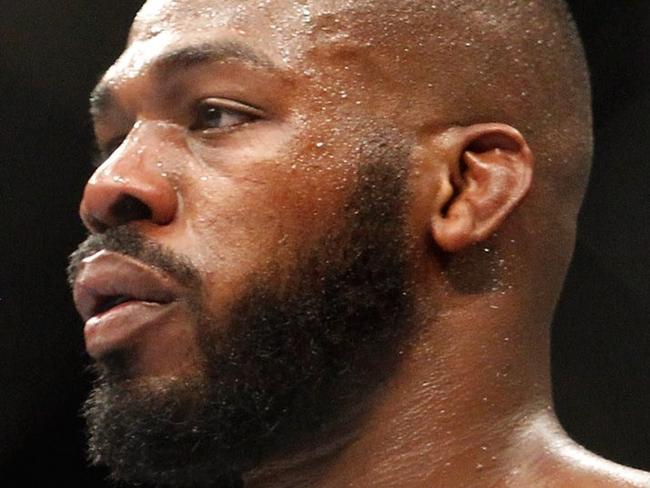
<point>139,194</point>
<point>128,208</point>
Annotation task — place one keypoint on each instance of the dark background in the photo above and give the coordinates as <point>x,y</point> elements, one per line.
<point>51,54</point>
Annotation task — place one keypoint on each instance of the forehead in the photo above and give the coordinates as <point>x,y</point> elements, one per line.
<point>353,48</point>
<point>312,38</point>
<point>289,28</point>
<point>218,12</point>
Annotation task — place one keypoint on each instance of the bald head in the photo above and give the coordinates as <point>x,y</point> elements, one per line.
<point>519,63</point>
<point>432,64</point>
<point>326,171</point>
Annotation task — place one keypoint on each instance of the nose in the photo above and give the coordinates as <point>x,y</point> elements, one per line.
<point>130,186</point>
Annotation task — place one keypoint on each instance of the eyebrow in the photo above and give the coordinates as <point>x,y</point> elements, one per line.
<point>103,96</point>
<point>186,57</point>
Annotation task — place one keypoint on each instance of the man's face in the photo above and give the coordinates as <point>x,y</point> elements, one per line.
<point>251,216</point>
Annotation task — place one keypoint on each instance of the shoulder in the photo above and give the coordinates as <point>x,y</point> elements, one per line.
<point>544,456</point>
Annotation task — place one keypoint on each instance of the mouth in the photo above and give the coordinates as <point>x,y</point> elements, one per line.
<point>119,298</point>
<point>104,304</point>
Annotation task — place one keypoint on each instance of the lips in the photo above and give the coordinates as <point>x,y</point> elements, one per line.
<point>118,298</point>
<point>108,279</point>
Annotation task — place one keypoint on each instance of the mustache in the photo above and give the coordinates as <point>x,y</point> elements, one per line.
<point>129,242</point>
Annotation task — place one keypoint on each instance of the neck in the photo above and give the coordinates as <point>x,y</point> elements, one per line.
<point>464,387</point>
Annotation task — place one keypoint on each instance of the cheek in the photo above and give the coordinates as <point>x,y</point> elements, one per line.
<point>253,217</point>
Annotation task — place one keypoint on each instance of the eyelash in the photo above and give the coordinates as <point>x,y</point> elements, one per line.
<point>226,107</point>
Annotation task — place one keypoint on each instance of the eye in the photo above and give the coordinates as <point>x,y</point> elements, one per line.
<point>218,113</point>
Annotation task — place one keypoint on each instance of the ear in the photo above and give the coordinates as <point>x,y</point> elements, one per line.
<point>489,171</point>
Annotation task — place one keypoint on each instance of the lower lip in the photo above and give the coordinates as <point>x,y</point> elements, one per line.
<point>121,326</point>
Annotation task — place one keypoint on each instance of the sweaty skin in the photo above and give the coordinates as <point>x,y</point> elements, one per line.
<point>237,135</point>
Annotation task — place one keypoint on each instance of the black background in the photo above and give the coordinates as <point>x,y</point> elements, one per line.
<point>51,54</point>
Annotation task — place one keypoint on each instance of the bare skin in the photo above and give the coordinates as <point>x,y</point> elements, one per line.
<point>489,238</point>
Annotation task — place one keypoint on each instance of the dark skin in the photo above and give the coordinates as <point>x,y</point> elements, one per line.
<point>241,147</point>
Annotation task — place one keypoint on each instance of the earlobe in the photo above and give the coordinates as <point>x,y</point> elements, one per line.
<point>490,168</point>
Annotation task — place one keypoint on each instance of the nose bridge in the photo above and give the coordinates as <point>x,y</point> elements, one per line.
<point>131,184</point>
<point>136,158</point>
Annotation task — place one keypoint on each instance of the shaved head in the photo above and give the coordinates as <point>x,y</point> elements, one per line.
<point>351,185</point>
<point>437,64</point>
<point>460,62</point>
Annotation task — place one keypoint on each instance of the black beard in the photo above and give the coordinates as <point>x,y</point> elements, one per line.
<point>296,362</point>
